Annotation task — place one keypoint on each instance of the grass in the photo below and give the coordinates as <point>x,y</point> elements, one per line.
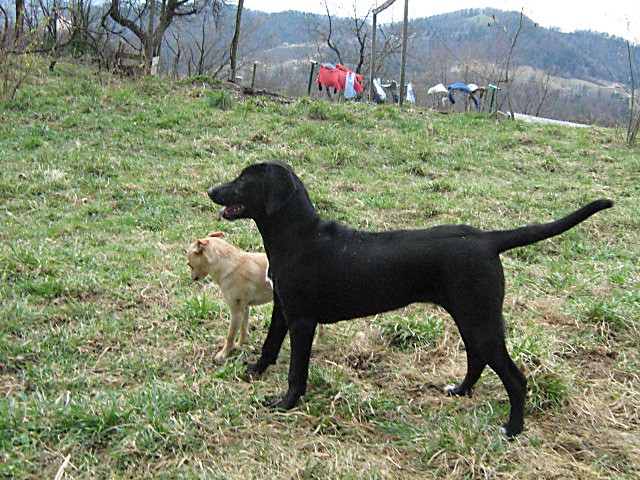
<point>107,348</point>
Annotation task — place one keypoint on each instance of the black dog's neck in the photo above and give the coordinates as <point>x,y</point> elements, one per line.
<point>278,225</point>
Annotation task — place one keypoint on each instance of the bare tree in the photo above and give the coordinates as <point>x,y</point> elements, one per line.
<point>389,50</point>
<point>208,50</point>
<point>200,45</point>
<point>361,30</point>
<point>236,39</point>
<point>45,19</point>
<point>346,38</point>
<point>63,26</point>
<point>19,27</point>
<point>84,27</point>
<point>175,48</point>
<point>534,93</point>
<point>507,78</point>
<point>139,19</point>
<point>328,36</point>
<point>5,29</point>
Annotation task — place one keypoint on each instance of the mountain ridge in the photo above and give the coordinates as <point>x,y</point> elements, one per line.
<point>585,55</point>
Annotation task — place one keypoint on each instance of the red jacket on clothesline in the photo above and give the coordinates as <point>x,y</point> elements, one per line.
<point>336,78</point>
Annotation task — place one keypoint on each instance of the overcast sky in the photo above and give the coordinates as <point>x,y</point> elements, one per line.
<point>616,17</point>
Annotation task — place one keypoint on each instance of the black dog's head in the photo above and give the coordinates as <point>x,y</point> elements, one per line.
<point>260,190</point>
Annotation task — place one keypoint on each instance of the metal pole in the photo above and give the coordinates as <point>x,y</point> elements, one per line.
<point>404,51</point>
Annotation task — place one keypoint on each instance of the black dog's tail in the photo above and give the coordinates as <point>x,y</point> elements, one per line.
<point>507,239</point>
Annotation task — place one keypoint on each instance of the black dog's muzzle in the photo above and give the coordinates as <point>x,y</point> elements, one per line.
<point>231,211</point>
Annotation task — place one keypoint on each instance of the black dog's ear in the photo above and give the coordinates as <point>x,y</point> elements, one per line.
<point>278,186</point>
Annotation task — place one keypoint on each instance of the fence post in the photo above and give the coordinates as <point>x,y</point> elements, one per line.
<point>403,62</point>
<point>313,67</point>
<point>372,71</point>
<point>253,76</point>
<point>493,89</point>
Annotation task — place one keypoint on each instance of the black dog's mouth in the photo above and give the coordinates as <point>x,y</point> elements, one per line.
<point>231,213</point>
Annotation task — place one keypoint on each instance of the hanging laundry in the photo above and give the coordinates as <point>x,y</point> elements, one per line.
<point>336,77</point>
<point>439,88</point>
<point>349,89</point>
<point>379,91</point>
<point>462,88</point>
<point>410,96</point>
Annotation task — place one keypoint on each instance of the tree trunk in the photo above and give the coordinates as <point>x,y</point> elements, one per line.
<point>150,47</point>
<point>19,22</point>
<point>234,42</point>
<point>3,38</point>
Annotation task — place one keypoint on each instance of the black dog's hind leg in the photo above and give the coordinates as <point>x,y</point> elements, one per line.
<point>515,383</point>
<point>273,342</point>
<point>301,334</point>
<point>466,322</point>
<point>483,336</point>
<point>475,367</point>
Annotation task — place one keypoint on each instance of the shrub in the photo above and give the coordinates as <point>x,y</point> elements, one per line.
<point>221,99</point>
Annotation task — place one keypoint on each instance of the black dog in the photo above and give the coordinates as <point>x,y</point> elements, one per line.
<point>324,272</point>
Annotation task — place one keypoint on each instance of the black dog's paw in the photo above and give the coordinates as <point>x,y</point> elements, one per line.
<point>269,402</point>
<point>289,401</point>
<point>510,431</point>
<point>457,390</point>
<point>253,372</point>
<point>283,405</point>
<point>273,404</point>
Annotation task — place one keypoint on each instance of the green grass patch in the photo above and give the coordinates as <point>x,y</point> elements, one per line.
<point>220,99</point>
<point>410,333</point>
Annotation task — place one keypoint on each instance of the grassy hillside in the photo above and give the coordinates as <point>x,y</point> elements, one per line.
<point>107,348</point>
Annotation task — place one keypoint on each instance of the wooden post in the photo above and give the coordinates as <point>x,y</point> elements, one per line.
<point>313,66</point>
<point>253,76</point>
<point>494,101</point>
<point>372,69</point>
<point>404,52</point>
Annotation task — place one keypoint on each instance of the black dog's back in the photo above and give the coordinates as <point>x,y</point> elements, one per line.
<point>365,273</point>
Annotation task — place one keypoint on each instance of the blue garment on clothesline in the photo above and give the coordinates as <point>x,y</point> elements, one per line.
<point>463,88</point>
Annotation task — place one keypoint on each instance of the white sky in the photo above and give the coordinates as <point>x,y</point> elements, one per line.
<point>616,17</point>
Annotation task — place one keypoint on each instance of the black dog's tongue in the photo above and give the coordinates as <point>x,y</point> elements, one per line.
<point>230,213</point>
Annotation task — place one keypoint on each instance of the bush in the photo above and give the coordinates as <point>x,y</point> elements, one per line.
<point>221,99</point>
<point>14,70</point>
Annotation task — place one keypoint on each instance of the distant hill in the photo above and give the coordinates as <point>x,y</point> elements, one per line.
<point>583,55</point>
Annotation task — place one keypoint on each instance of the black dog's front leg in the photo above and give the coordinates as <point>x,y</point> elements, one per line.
<point>273,342</point>
<point>301,334</point>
